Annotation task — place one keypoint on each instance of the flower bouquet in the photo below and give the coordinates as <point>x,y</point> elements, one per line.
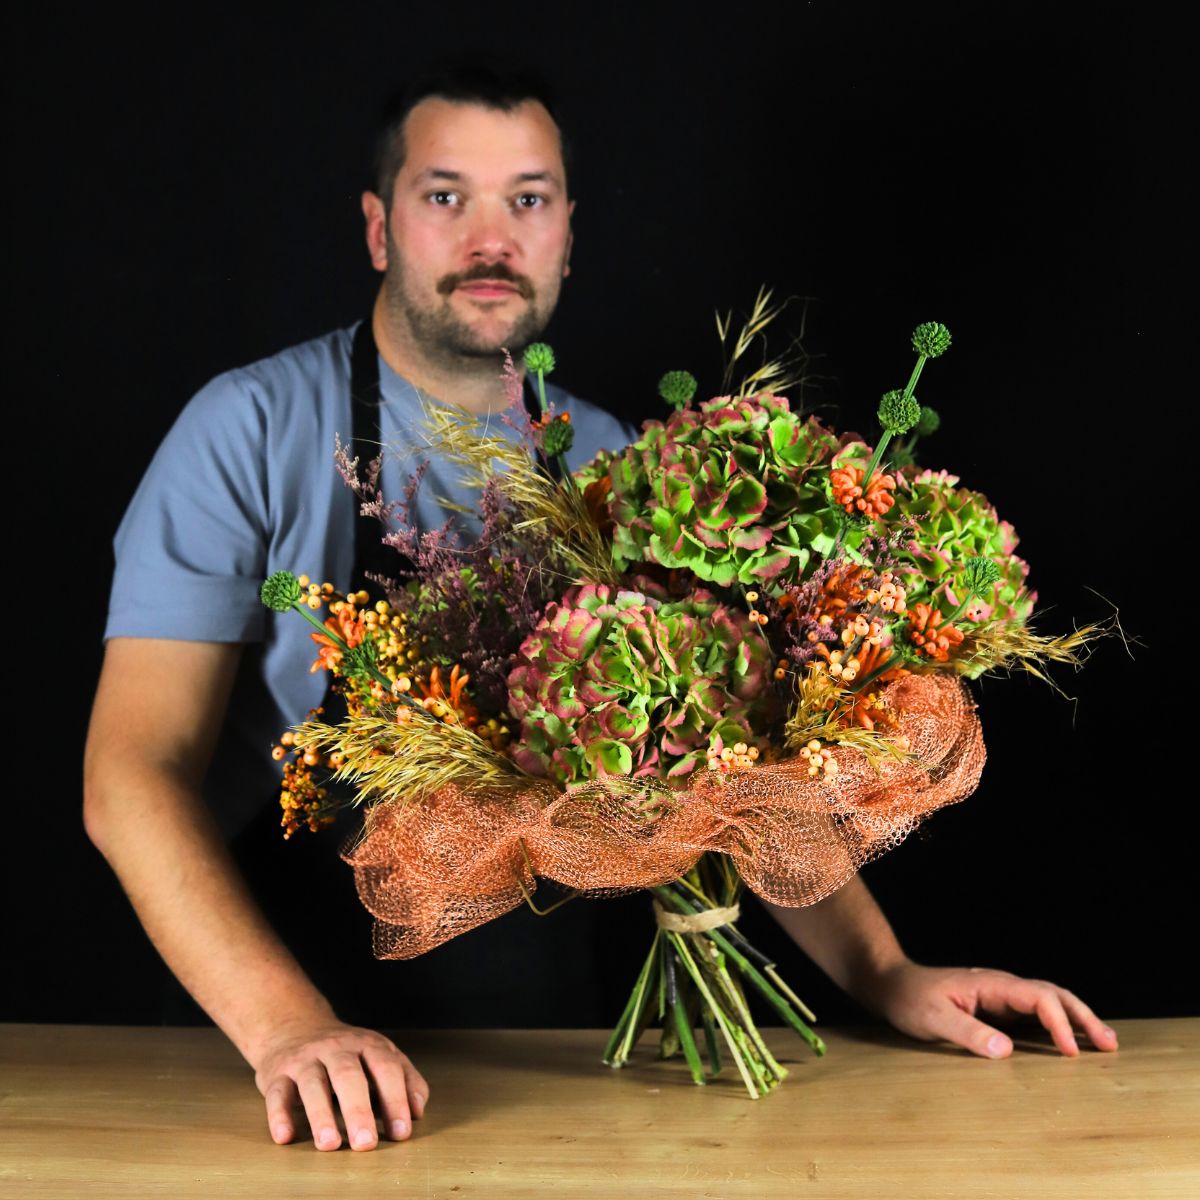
<point>731,654</point>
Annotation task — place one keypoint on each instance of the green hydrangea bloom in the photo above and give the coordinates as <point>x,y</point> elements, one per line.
<point>625,681</point>
<point>731,490</point>
<point>952,525</point>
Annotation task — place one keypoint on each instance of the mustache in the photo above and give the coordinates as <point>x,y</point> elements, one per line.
<point>496,270</point>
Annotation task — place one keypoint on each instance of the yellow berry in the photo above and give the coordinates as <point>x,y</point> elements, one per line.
<point>303,581</point>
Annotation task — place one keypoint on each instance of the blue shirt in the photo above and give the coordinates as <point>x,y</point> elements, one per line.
<point>243,485</point>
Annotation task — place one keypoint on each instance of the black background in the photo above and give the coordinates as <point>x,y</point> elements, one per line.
<point>186,198</point>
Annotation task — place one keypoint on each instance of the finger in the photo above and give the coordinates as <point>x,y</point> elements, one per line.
<point>418,1089</point>
<point>313,1085</point>
<point>961,1028</point>
<point>280,1098</point>
<point>391,1090</point>
<point>1037,996</point>
<point>1082,1017</point>
<point>349,1082</point>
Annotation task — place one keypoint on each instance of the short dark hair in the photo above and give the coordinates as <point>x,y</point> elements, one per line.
<point>462,83</point>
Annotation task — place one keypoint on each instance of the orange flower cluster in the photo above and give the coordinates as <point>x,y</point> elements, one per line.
<point>452,706</point>
<point>930,636</point>
<point>873,501</point>
<point>348,624</point>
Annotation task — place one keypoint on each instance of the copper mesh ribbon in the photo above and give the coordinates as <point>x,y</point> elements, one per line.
<point>431,869</point>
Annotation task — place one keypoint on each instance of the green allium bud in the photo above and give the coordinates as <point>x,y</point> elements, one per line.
<point>281,591</point>
<point>557,438</point>
<point>902,456</point>
<point>539,357</point>
<point>931,339</point>
<point>898,413</point>
<point>677,388</point>
<point>979,574</point>
<point>930,422</point>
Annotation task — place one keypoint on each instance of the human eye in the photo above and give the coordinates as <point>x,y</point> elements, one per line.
<point>444,198</point>
<point>530,200</point>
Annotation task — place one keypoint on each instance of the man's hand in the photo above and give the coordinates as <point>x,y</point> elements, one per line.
<point>850,939</point>
<point>315,1064</point>
<point>157,714</point>
<point>940,1003</point>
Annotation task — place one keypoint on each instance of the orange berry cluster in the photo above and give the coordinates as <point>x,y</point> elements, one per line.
<point>758,618</point>
<point>889,595</point>
<point>730,758</point>
<point>821,763</point>
<point>303,800</point>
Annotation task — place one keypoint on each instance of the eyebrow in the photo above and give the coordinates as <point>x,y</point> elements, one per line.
<point>440,173</point>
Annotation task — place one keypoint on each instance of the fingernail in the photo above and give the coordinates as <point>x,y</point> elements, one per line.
<point>997,1045</point>
<point>399,1128</point>
<point>1111,1034</point>
<point>280,1132</point>
<point>418,1105</point>
<point>328,1137</point>
<point>362,1138</point>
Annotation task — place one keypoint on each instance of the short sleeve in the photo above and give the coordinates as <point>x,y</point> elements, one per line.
<point>192,546</point>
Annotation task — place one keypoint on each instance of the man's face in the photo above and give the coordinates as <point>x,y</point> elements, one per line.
<point>479,236</point>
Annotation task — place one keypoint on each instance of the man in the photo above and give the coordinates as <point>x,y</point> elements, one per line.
<point>471,227</point>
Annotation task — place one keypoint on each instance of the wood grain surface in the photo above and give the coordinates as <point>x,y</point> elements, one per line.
<point>134,1112</point>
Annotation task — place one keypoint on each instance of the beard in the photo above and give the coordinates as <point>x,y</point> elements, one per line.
<point>441,334</point>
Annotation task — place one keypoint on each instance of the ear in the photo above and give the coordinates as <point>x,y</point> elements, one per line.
<point>375,216</point>
<point>570,240</point>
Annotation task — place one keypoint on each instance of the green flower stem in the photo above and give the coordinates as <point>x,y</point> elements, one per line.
<point>912,381</point>
<point>773,976</point>
<point>683,1026</point>
<point>880,447</point>
<point>721,1019</point>
<point>882,444</point>
<point>306,613</point>
<point>662,979</point>
<point>748,969</point>
<point>958,612</point>
<point>710,1040</point>
<point>738,1004</point>
<point>631,1017</point>
<point>561,459</point>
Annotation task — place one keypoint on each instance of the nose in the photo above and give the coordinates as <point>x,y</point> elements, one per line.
<point>490,237</point>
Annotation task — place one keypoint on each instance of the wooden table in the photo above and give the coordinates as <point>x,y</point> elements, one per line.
<point>132,1112</point>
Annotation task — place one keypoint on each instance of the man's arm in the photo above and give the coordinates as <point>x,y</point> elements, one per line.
<point>154,725</point>
<point>849,938</point>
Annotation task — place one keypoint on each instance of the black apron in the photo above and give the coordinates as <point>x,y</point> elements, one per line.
<point>572,968</point>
